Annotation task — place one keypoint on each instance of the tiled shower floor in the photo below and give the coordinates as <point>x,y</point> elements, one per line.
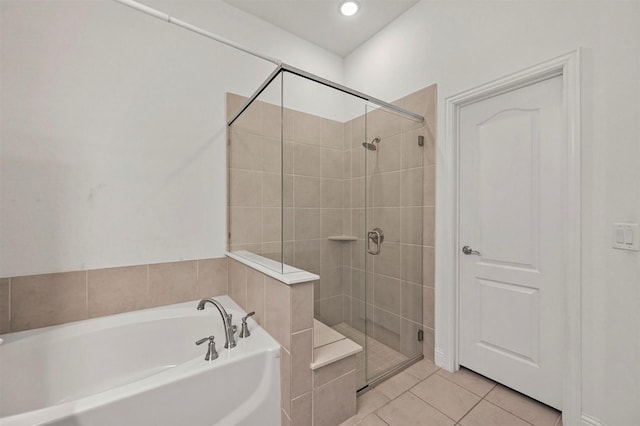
<point>380,357</point>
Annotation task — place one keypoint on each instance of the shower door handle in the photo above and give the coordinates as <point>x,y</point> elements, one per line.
<point>377,237</point>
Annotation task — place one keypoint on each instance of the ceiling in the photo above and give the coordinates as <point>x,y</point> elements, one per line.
<point>320,22</point>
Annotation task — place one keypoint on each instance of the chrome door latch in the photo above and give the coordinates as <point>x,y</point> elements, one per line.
<point>377,237</point>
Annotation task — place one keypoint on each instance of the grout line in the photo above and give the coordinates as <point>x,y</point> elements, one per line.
<point>436,408</point>
<point>148,296</point>
<point>285,413</point>
<point>86,290</point>
<point>504,409</point>
<point>333,380</point>
<point>227,274</point>
<point>471,409</point>
<point>10,307</point>
<point>376,414</point>
<point>429,375</point>
<point>198,277</point>
<point>302,331</point>
<point>451,381</point>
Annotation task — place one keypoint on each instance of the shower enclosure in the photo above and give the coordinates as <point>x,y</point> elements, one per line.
<point>328,180</point>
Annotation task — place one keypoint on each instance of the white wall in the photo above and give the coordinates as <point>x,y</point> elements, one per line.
<point>112,139</point>
<point>460,44</point>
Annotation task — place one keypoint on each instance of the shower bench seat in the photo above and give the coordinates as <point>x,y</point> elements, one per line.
<point>329,346</point>
<point>334,374</point>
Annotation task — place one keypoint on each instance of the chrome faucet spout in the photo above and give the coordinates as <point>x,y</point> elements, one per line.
<point>230,341</point>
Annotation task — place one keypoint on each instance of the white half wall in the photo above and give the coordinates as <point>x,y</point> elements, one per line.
<point>112,139</point>
<point>461,44</point>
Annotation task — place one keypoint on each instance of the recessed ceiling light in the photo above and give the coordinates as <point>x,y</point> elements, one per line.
<point>349,8</point>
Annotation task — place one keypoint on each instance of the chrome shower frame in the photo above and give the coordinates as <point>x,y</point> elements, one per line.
<point>307,75</point>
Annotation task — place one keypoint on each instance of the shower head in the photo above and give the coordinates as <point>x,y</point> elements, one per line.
<point>371,145</point>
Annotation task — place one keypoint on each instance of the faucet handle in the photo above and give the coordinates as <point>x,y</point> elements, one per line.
<point>204,339</point>
<point>212,353</point>
<point>244,332</point>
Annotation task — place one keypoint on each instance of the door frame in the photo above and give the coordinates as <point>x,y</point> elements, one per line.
<point>447,241</point>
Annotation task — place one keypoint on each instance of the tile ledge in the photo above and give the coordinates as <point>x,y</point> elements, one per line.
<point>264,265</point>
<point>324,335</point>
<point>334,352</point>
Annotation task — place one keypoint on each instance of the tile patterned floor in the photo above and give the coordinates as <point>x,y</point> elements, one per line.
<point>380,357</point>
<point>425,395</point>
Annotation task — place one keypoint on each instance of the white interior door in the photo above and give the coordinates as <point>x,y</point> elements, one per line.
<point>512,152</point>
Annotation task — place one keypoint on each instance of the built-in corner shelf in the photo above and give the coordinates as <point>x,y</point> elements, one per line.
<point>344,238</point>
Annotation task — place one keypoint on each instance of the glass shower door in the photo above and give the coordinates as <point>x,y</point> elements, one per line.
<point>393,242</point>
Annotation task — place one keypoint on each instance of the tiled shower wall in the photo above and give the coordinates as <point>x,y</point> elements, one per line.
<point>254,167</point>
<point>324,173</point>
<point>313,177</point>
<point>401,200</point>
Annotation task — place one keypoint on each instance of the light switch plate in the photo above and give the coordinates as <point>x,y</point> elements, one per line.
<point>626,236</point>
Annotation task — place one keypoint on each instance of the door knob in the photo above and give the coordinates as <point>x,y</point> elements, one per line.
<point>467,250</point>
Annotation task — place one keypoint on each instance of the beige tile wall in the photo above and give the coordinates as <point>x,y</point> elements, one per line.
<point>48,299</point>
<point>286,312</point>
<point>334,398</point>
<point>324,189</point>
<point>5,307</point>
<point>427,104</point>
<point>322,397</point>
<point>401,196</point>
<point>313,179</point>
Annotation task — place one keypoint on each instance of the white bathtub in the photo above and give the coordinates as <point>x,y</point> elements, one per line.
<point>140,368</point>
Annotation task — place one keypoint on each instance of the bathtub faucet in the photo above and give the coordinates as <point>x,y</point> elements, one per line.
<point>229,329</point>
